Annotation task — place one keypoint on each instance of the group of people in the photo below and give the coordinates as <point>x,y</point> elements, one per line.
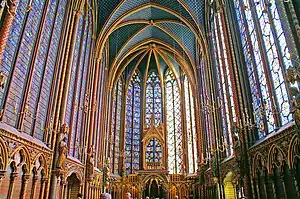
<point>108,196</point>
<point>105,196</point>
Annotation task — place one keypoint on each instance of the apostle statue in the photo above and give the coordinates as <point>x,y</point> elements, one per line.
<point>90,162</point>
<point>62,153</point>
<point>62,147</point>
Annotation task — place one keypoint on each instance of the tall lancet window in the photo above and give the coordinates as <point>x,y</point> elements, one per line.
<point>173,121</point>
<point>153,100</point>
<point>29,61</point>
<point>266,63</point>
<point>190,127</point>
<point>224,82</point>
<point>133,125</point>
<point>116,126</point>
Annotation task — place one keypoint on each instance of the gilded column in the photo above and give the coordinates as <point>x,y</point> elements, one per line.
<point>2,174</point>
<point>63,188</point>
<point>77,12</point>
<point>24,186</point>
<point>35,179</point>
<point>13,177</point>
<point>6,25</point>
<point>43,188</point>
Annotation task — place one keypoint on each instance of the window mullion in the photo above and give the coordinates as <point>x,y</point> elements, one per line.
<point>265,62</point>
<point>251,53</point>
<point>222,60</point>
<point>132,126</point>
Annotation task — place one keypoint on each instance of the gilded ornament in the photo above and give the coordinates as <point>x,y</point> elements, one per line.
<point>62,153</point>
<point>90,162</point>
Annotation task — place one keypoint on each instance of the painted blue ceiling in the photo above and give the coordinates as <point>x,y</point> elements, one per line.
<point>131,34</point>
<point>184,34</point>
<point>151,32</point>
<point>151,13</point>
<point>120,36</point>
<point>107,7</point>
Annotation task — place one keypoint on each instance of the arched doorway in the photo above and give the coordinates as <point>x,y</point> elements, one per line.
<point>73,186</point>
<point>154,188</point>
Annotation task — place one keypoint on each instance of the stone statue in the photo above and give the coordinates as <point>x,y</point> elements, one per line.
<point>293,77</point>
<point>62,153</point>
<point>107,173</point>
<point>90,162</point>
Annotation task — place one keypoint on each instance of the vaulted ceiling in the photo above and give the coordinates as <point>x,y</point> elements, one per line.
<point>166,30</point>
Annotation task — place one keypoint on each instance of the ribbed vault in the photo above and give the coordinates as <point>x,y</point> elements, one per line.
<point>168,32</point>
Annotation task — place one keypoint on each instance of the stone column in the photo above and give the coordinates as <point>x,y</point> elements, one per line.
<point>13,177</point>
<point>24,186</point>
<point>43,187</point>
<point>6,25</point>
<point>2,175</point>
<point>63,188</point>
<point>292,173</point>
<point>35,179</point>
<point>53,185</point>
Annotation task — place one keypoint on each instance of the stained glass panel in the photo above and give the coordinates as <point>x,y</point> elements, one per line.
<point>116,126</point>
<point>153,151</point>
<point>13,42</point>
<point>75,66</point>
<point>190,127</point>
<point>39,69</point>
<point>133,118</point>
<point>50,64</point>
<point>173,120</point>
<point>22,62</point>
<point>153,100</point>
<point>274,47</point>
<point>225,98</point>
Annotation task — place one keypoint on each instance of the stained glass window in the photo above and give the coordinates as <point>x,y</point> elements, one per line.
<point>225,87</point>
<point>13,42</point>
<point>73,93</point>
<point>39,70</point>
<point>49,67</point>
<point>205,113</point>
<point>153,100</point>
<point>269,93</point>
<point>21,65</point>
<point>116,127</point>
<point>153,151</point>
<point>24,59</point>
<point>133,125</point>
<point>190,127</point>
<point>173,123</point>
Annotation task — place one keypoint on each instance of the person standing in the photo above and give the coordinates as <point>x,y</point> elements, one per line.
<point>105,196</point>
<point>127,195</point>
<point>79,196</point>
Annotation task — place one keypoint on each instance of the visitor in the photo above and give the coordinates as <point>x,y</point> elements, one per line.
<point>128,195</point>
<point>105,196</point>
<point>79,196</point>
<point>147,197</point>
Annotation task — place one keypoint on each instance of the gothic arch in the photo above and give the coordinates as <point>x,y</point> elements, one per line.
<point>276,157</point>
<point>293,151</point>
<point>258,162</point>
<point>3,155</point>
<point>164,179</point>
<point>25,158</point>
<point>77,172</point>
<point>43,164</point>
